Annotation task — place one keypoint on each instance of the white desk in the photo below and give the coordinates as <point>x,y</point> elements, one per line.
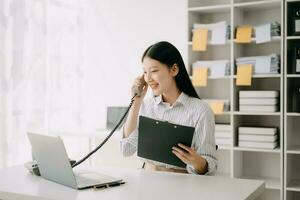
<point>139,185</point>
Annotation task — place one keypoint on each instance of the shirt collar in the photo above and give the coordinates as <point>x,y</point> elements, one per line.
<point>182,99</point>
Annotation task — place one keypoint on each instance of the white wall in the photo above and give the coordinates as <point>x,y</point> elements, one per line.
<point>116,38</point>
<point>122,30</point>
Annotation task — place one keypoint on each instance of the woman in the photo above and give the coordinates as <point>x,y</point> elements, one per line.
<point>175,100</point>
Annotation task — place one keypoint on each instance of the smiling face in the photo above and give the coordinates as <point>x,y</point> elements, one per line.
<point>158,76</point>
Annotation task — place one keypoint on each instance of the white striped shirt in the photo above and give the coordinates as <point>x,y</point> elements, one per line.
<point>187,111</point>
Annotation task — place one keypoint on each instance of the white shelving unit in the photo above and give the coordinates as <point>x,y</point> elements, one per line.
<point>234,161</point>
<point>292,116</point>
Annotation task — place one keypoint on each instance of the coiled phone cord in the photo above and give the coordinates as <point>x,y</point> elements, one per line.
<point>106,139</point>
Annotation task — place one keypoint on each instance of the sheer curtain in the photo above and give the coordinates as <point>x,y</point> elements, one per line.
<point>62,62</point>
<point>45,79</point>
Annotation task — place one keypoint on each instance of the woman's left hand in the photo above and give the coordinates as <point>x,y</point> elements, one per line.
<point>189,156</point>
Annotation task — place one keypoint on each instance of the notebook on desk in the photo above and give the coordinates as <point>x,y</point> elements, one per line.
<point>156,139</point>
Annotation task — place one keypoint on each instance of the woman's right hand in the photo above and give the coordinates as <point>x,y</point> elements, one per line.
<point>141,85</point>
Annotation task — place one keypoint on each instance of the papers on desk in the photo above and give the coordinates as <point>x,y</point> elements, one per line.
<point>258,137</point>
<point>269,64</point>
<point>216,68</point>
<point>218,33</point>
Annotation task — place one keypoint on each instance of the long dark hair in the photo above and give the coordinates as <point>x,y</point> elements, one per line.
<point>168,54</point>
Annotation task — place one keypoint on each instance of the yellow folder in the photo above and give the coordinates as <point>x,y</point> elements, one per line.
<point>217,107</point>
<point>200,39</point>
<point>200,76</point>
<point>244,75</point>
<point>243,34</point>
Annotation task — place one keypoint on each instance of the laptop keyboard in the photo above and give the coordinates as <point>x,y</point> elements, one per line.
<point>83,181</point>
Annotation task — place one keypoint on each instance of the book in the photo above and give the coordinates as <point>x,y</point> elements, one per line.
<point>258,108</point>
<point>264,145</point>
<point>222,134</point>
<point>223,141</point>
<point>258,138</point>
<point>258,93</point>
<point>223,127</point>
<point>257,130</point>
<point>258,101</point>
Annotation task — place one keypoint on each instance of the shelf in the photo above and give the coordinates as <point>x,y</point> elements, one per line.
<point>216,78</point>
<point>293,114</point>
<point>257,150</point>
<point>293,37</point>
<point>293,149</point>
<point>224,113</point>
<point>271,183</point>
<point>234,161</point>
<point>227,42</point>
<point>264,76</point>
<point>258,5</point>
<point>256,113</point>
<point>293,75</point>
<point>224,148</point>
<point>293,185</point>
<point>253,40</point>
<point>210,9</point>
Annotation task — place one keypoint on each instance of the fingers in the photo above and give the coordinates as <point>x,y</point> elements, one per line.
<point>188,149</point>
<point>181,156</point>
<point>140,82</point>
<point>139,87</point>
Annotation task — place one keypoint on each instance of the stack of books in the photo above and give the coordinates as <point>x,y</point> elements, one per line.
<point>258,137</point>
<point>223,135</point>
<point>269,64</point>
<point>258,101</point>
<point>216,68</point>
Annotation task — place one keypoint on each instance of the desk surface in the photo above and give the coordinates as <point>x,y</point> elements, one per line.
<point>139,185</point>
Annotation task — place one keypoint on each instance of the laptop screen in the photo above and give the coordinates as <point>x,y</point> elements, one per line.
<point>113,116</point>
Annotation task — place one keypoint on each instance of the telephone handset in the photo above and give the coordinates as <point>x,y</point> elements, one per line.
<point>137,91</point>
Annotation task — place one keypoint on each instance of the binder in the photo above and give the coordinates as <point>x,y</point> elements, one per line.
<point>156,139</point>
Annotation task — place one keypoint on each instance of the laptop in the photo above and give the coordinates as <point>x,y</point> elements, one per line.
<point>54,165</point>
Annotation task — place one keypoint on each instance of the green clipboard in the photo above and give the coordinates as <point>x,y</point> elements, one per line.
<point>156,139</point>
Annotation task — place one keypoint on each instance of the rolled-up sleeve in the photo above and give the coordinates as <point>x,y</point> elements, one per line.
<point>204,142</point>
<point>129,145</point>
